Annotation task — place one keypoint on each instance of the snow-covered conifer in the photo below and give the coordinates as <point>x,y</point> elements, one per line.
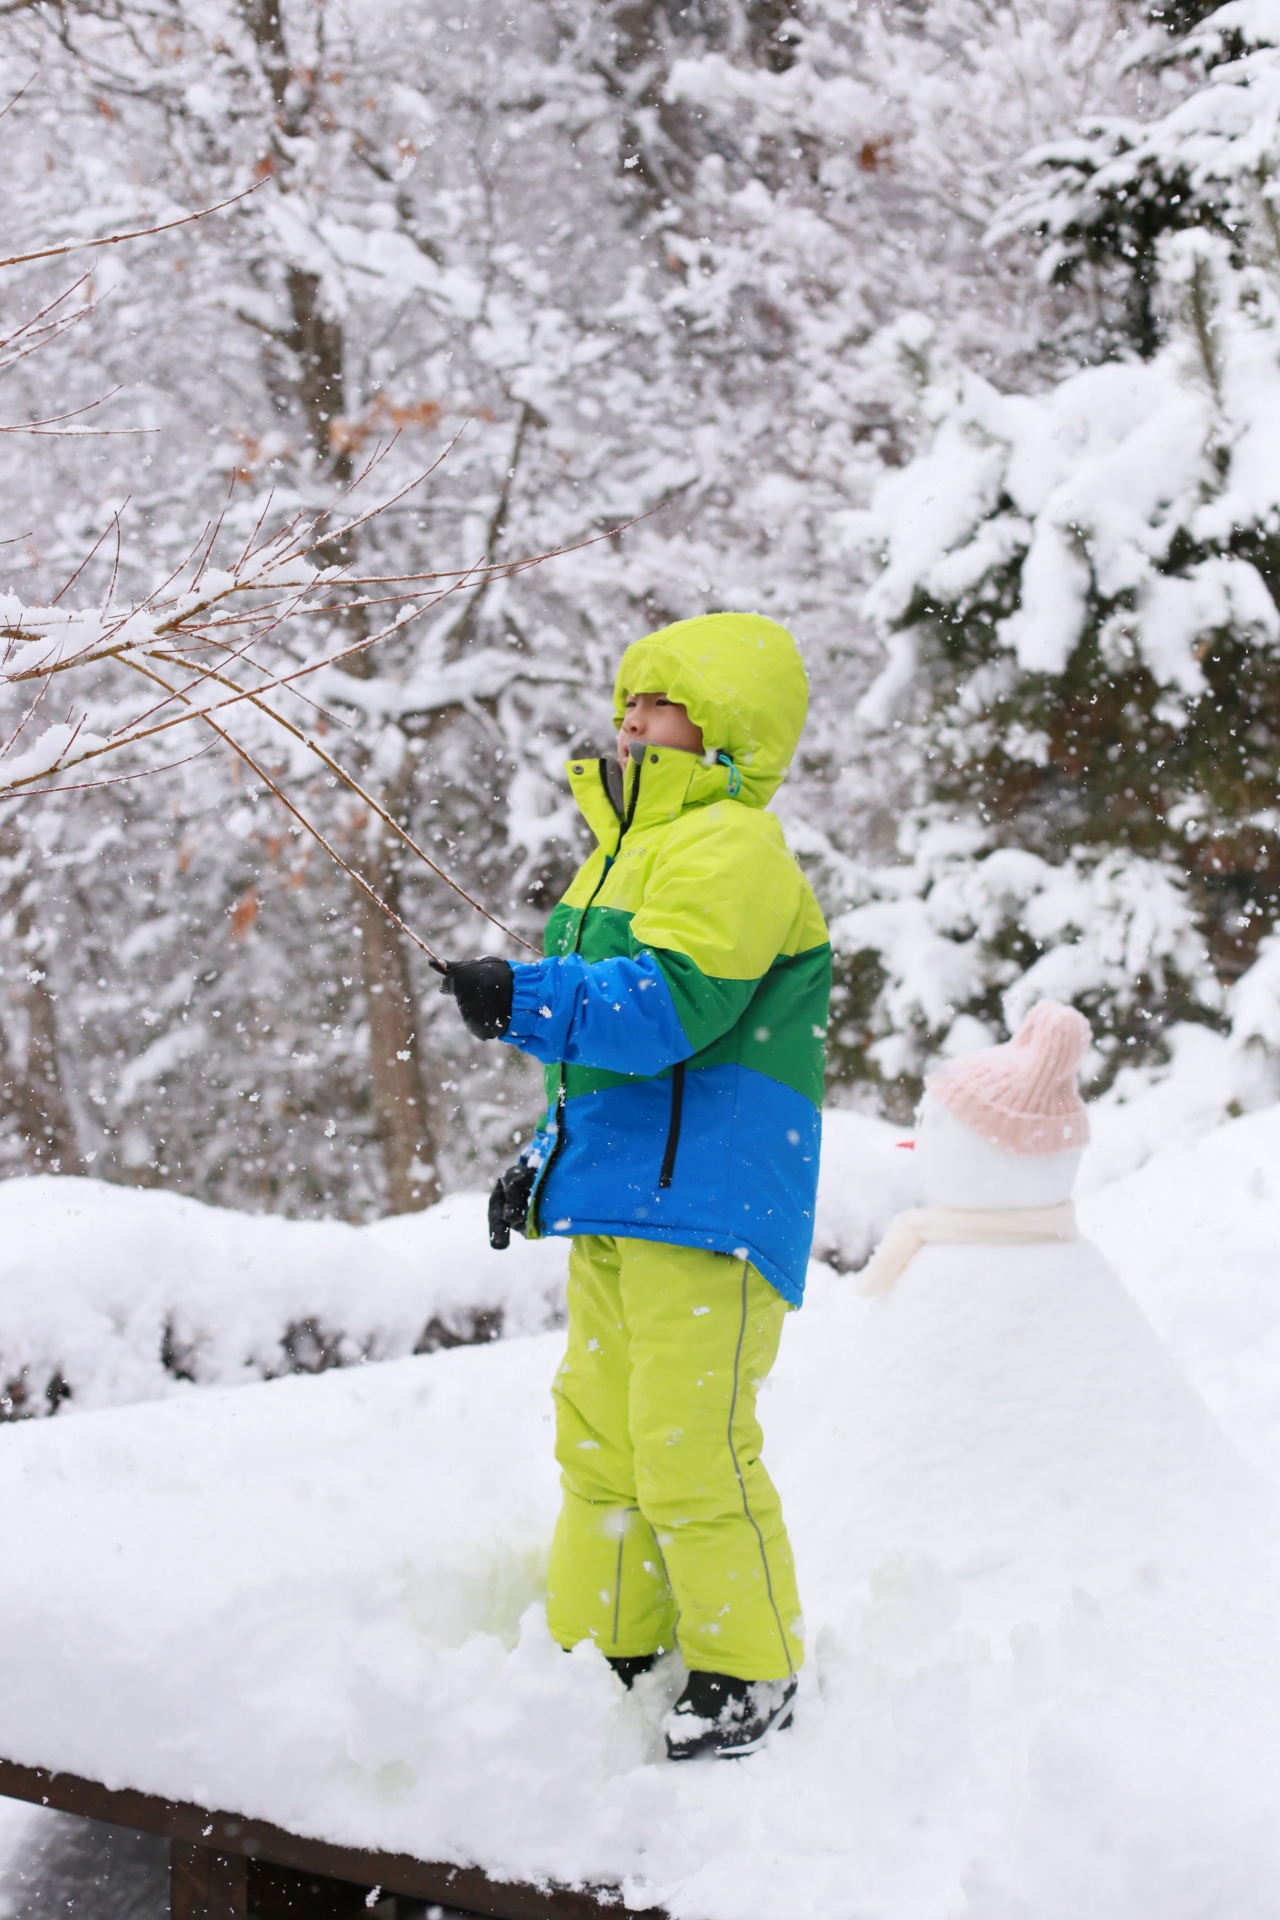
<point>1078,599</point>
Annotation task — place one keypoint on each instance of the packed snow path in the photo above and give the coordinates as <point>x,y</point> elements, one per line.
<point>1042,1676</point>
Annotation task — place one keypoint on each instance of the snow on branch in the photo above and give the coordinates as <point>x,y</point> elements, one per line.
<point>207,647</point>
<point>135,233</point>
<point>223,645</point>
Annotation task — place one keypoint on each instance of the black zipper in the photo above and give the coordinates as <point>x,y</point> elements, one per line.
<point>673,1131</point>
<point>624,821</point>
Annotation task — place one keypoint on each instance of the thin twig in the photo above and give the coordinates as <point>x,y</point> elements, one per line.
<point>115,570</point>
<point>248,545</point>
<point>11,355</point>
<point>138,233</point>
<point>83,564</point>
<point>10,104</point>
<point>72,413</point>
<point>319,837</point>
<point>332,851</point>
<point>117,779</point>
<point>349,780</point>
<point>83,433</point>
<point>217,529</point>
<point>4,750</point>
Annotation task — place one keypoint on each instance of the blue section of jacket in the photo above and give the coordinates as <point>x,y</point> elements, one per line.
<point>617,1014</point>
<point>744,1175</point>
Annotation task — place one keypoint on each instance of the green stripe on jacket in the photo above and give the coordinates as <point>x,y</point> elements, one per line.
<point>765,1024</point>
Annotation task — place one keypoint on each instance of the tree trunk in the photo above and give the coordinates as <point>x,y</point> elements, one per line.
<point>37,1096</point>
<point>44,1112</point>
<point>406,1118</point>
<point>319,342</point>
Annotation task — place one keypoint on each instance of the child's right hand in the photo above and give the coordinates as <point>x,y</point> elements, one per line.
<point>482,989</point>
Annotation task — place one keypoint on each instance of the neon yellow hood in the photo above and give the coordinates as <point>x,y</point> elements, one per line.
<point>742,680</point>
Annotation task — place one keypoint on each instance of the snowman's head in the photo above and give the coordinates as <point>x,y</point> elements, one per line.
<point>1004,1127</point>
<point>958,1168</point>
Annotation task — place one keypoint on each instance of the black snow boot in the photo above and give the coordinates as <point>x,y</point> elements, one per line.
<point>629,1666</point>
<point>726,1717</point>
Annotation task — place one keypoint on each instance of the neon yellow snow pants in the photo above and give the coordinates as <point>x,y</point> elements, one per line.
<point>671,1530</point>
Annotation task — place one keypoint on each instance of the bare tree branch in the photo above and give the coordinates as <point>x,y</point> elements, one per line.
<point>136,233</point>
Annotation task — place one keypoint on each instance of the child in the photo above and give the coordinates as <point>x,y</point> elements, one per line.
<point>681,1015</point>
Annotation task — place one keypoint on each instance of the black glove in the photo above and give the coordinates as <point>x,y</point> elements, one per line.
<point>509,1205</point>
<point>482,989</point>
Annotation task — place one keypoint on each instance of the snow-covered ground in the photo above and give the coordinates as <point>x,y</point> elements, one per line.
<point>1195,1235</point>
<point>1043,1677</point>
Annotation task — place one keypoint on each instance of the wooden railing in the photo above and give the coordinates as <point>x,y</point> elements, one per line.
<point>226,1867</point>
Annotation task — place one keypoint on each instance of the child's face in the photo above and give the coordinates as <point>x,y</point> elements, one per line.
<point>659,722</point>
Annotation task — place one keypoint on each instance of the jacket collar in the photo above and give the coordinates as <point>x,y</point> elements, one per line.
<point>670,781</point>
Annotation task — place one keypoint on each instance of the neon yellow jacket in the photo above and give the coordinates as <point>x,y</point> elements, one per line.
<point>682,1009</point>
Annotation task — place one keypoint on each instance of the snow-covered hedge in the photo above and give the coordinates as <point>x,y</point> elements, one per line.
<point>109,1295</point>
<point>112,1294</point>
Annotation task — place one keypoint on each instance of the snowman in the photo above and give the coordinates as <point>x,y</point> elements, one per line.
<point>999,1145</point>
<point>1007,1412</point>
<point>1040,1582</point>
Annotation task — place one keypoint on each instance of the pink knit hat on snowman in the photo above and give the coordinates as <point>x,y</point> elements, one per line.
<point>1023,1096</point>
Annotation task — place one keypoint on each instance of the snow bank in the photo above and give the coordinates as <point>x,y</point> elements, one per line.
<point>111,1295</point>
<point>1043,1679</point>
<point>1195,1235</point>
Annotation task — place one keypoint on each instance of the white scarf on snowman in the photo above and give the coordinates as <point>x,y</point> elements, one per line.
<point>961,1227</point>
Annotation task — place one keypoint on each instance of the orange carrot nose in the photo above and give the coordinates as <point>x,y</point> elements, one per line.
<point>908,1144</point>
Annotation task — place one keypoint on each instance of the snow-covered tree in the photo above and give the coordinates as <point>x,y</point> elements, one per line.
<point>719,255</point>
<point>1078,594</point>
<point>386,279</point>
